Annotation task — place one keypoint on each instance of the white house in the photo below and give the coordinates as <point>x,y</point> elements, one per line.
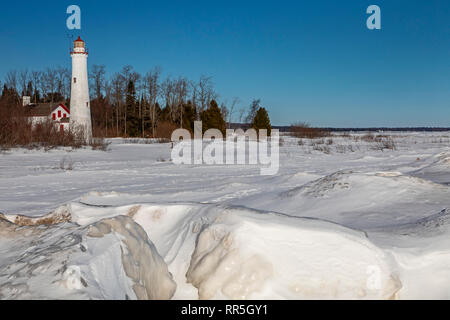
<point>57,112</point>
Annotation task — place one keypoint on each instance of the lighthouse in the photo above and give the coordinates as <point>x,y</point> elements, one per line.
<point>80,106</point>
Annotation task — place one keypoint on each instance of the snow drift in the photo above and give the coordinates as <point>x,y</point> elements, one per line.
<point>217,252</point>
<point>245,255</point>
<point>438,171</point>
<point>110,259</point>
<point>361,200</point>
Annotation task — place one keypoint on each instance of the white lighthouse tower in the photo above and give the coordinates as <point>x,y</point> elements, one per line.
<point>80,106</point>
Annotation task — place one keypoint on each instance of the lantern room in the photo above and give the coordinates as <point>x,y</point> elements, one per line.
<point>79,46</point>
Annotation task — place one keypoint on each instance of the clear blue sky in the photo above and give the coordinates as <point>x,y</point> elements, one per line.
<point>312,61</point>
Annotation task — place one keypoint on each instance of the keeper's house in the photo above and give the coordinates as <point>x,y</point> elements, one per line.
<point>56,112</point>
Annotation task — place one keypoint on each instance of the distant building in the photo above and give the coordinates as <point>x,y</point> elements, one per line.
<point>56,112</point>
<point>26,100</point>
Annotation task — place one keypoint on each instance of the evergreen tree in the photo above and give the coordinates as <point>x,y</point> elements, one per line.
<point>262,121</point>
<point>10,96</point>
<point>212,118</point>
<point>5,92</point>
<point>158,110</point>
<point>29,91</point>
<point>165,115</point>
<point>132,119</point>
<point>189,116</point>
<point>36,96</point>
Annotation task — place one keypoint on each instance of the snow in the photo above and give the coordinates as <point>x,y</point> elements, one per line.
<point>286,258</point>
<point>354,222</point>
<point>110,259</point>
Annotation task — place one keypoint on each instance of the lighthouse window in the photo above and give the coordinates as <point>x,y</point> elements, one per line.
<point>87,104</point>
<point>74,80</point>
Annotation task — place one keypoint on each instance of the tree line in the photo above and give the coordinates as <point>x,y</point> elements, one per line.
<point>49,85</point>
<point>132,104</point>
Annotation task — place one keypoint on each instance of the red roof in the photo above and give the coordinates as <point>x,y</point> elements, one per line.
<point>79,39</point>
<point>64,107</point>
<point>45,109</point>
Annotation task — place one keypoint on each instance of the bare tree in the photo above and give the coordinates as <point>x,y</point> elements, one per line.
<point>181,87</point>
<point>175,93</point>
<point>228,111</point>
<point>117,94</point>
<point>50,83</point>
<point>128,74</point>
<point>43,85</point>
<point>169,96</point>
<point>232,110</point>
<point>11,80</point>
<point>23,81</point>
<point>140,91</point>
<point>205,92</point>
<point>242,112</point>
<point>97,77</point>
<point>256,104</point>
<point>152,86</point>
<point>108,90</point>
<point>224,110</point>
<point>194,97</point>
<point>108,95</point>
<point>35,80</point>
<point>62,75</point>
